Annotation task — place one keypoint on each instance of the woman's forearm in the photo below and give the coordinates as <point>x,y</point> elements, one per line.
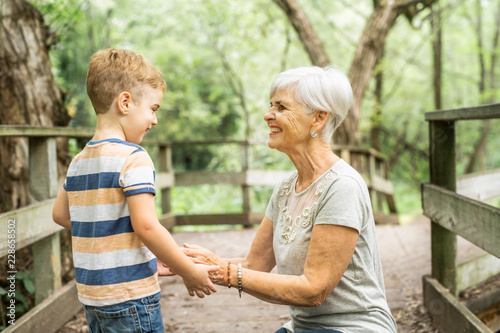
<point>279,289</point>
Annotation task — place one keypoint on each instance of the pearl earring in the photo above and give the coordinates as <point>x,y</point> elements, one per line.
<point>314,134</point>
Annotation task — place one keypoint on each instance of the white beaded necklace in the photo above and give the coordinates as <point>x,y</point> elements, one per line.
<point>290,225</point>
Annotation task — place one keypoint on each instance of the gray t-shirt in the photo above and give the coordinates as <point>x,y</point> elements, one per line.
<point>339,197</point>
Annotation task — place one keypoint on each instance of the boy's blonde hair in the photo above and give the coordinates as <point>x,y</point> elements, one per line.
<point>113,71</point>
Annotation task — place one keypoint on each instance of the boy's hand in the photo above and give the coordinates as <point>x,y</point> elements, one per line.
<point>198,283</point>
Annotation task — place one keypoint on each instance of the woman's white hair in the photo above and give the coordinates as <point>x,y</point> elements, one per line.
<point>318,89</point>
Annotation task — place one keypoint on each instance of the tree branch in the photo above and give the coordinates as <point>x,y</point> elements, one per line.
<point>307,35</point>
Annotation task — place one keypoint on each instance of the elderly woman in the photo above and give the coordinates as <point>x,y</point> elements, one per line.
<point>318,228</point>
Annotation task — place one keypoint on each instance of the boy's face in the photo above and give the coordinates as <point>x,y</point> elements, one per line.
<point>142,114</point>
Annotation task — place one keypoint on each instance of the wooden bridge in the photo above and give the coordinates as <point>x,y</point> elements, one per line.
<point>33,225</point>
<point>455,208</point>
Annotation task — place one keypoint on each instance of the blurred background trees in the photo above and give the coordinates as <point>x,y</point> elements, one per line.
<point>219,58</point>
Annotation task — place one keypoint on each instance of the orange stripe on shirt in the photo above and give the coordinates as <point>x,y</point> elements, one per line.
<point>139,159</point>
<point>107,244</point>
<point>107,149</point>
<point>102,196</point>
<point>119,291</point>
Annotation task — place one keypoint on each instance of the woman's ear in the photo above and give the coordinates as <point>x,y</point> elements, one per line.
<point>320,119</point>
<point>124,101</point>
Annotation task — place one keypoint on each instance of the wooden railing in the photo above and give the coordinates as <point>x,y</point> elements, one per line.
<point>460,214</point>
<point>34,226</point>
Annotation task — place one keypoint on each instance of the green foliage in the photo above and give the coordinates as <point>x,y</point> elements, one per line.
<point>24,291</point>
<point>220,56</point>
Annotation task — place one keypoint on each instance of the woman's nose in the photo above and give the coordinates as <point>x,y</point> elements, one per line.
<point>269,115</point>
<point>155,119</point>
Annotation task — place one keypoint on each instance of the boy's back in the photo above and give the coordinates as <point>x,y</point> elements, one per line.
<point>111,264</point>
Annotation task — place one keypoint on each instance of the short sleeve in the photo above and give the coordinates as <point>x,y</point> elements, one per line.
<point>344,204</point>
<point>138,174</point>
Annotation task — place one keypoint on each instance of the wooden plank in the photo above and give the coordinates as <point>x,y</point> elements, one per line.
<point>265,177</point>
<point>477,270</point>
<point>42,168</point>
<point>164,180</point>
<point>452,316</point>
<point>47,266</point>
<point>480,185</point>
<point>442,173</point>
<point>166,168</point>
<point>358,150</point>
<point>382,185</point>
<point>33,223</point>
<point>78,132</point>
<point>382,218</point>
<point>43,186</point>
<point>209,177</point>
<point>210,142</point>
<point>31,131</point>
<point>484,302</point>
<point>212,219</point>
<point>475,221</point>
<point>167,220</point>
<point>51,314</point>
<point>490,111</point>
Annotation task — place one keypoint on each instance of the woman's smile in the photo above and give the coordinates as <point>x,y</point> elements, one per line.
<point>275,130</point>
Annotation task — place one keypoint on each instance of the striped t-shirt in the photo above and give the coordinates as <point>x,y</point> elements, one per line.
<point>111,264</point>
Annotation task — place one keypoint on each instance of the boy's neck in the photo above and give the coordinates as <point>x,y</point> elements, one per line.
<point>108,128</point>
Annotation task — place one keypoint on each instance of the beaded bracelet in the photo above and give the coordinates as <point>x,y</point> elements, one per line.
<point>239,279</point>
<point>229,275</point>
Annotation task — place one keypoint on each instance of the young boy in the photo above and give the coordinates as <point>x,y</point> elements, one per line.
<point>107,203</point>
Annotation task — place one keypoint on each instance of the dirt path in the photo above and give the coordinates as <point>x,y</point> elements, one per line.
<point>405,253</point>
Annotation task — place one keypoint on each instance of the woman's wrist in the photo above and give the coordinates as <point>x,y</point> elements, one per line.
<point>233,278</point>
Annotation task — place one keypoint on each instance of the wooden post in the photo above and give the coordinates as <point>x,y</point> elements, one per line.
<point>345,154</point>
<point>166,166</point>
<point>43,185</point>
<point>443,173</point>
<point>246,151</point>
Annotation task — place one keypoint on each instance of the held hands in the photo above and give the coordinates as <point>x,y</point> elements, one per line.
<point>200,255</point>
<point>198,283</point>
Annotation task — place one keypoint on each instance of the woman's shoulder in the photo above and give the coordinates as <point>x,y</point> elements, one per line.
<point>345,177</point>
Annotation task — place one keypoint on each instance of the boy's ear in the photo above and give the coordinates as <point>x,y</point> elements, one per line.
<point>124,101</point>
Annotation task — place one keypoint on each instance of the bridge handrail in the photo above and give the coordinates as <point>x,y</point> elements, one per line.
<point>453,214</point>
<point>489,111</point>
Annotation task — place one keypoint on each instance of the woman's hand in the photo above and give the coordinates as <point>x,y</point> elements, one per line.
<point>200,255</point>
<point>163,269</point>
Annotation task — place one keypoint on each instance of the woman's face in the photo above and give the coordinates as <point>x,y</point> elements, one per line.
<point>288,123</point>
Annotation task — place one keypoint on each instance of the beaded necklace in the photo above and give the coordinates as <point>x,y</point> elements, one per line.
<point>289,225</point>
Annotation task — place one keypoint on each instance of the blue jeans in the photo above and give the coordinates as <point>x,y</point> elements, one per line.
<point>282,330</point>
<point>137,316</point>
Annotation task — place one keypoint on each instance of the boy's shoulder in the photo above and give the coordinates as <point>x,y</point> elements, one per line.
<point>111,150</point>
<point>111,147</point>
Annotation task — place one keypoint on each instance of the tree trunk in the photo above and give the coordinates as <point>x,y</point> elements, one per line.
<point>478,156</point>
<point>307,35</point>
<point>28,95</point>
<point>369,50</point>
<point>376,118</point>
<point>436,55</point>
